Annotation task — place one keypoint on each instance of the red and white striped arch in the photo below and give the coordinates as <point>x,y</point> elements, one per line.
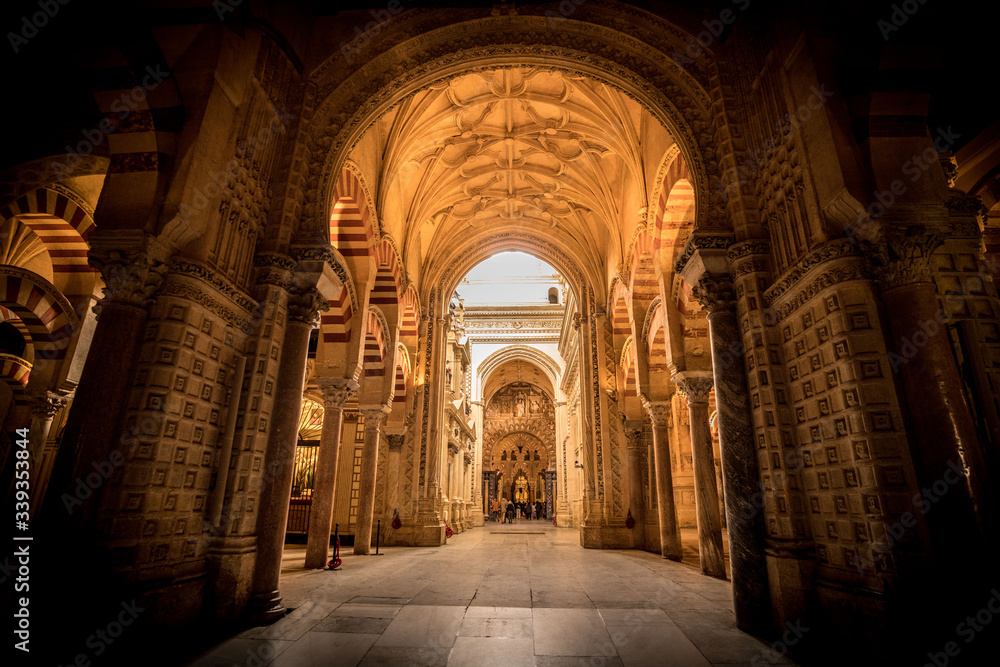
<point>60,223</point>
<point>643,285</point>
<point>620,302</point>
<point>388,287</point>
<point>403,373</point>
<point>628,370</point>
<point>656,342</point>
<point>675,210</point>
<point>375,339</point>
<point>335,323</point>
<point>352,222</point>
<point>410,320</point>
<point>46,315</point>
<point>9,316</point>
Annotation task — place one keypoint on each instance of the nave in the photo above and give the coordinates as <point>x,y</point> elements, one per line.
<point>520,594</point>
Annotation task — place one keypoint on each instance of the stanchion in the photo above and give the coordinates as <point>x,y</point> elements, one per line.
<point>378,536</point>
<point>335,562</point>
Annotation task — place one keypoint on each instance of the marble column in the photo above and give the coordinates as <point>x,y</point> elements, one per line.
<point>374,419</point>
<point>279,462</point>
<point>93,428</point>
<point>44,408</point>
<point>695,387</point>
<point>670,537</point>
<point>636,486</point>
<point>394,442</point>
<point>336,392</point>
<point>943,434</point>
<point>741,477</point>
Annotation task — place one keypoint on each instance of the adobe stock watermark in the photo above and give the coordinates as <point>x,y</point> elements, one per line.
<point>103,637</point>
<point>818,97</point>
<point>31,25</point>
<point>363,36</point>
<point>924,501</point>
<point>776,651</point>
<point>915,168</point>
<point>898,17</point>
<point>566,9</point>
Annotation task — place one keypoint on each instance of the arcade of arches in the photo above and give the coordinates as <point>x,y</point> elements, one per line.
<point>765,339</point>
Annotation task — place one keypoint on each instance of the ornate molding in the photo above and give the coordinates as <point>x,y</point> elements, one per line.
<point>837,249</point>
<point>186,267</point>
<point>906,256</point>
<point>132,274</point>
<point>659,412</point>
<point>395,442</point>
<point>827,279</point>
<point>749,257</point>
<point>305,305</point>
<point>701,241</point>
<point>694,386</point>
<point>274,268</point>
<point>375,416</point>
<point>328,255</point>
<point>715,293</point>
<point>336,391</point>
<point>46,405</point>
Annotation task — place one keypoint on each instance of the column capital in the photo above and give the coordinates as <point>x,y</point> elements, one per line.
<point>46,405</point>
<point>336,391</point>
<point>633,433</point>
<point>395,441</point>
<point>305,305</point>
<point>659,412</point>
<point>715,292</point>
<point>133,268</point>
<point>694,385</point>
<point>905,255</point>
<point>375,415</point>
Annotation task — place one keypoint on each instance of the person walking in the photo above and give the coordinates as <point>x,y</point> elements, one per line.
<point>534,511</point>
<point>495,510</point>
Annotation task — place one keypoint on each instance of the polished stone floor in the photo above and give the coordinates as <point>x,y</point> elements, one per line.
<point>526,594</point>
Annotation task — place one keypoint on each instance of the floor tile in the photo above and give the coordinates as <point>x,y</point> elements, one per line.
<point>423,626</point>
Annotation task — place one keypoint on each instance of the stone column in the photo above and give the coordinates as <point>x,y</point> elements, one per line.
<point>437,384</point>
<point>695,387</point>
<point>44,407</point>
<point>336,392</point>
<point>131,276</point>
<point>394,441</point>
<point>943,434</point>
<point>670,537</point>
<point>741,477</point>
<point>279,462</point>
<point>636,495</point>
<point>374,419</point>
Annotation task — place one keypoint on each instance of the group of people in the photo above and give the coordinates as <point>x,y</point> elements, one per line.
<point>512,511</point>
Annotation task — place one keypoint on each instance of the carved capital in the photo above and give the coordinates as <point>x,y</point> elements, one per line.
<point>374,416</point>
<point>633,433</point>
<point>272,268</point>
<point>395,442</point>
<point>47,405</point>
<point>131,275</point>
<point>905,257</point>
<point>305,305</point>
<point>336,391</point>
<point>694,386</point>
<point>715,292</point>
<point>659,412</point>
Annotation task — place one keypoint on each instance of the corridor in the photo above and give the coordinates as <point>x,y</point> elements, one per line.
<point>523,594</point>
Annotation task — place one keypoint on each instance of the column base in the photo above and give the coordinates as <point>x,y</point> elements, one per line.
<point>265,608</point>
<point>605,537</point>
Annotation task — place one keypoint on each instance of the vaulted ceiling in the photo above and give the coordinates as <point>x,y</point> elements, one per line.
<point>520,148</point>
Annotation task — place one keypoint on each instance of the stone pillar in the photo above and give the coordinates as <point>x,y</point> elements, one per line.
<point>279,462</point>
<point>44,408</point>
<point>636,495</point>
<point>670,537</point>
<point>741,477</point>
<point>435,441</point>
<point>374,419</point>
<point>335,395</point>
<point>943,434</point>
<point>93,430</point>
<point>394,441</point>
<point>695,387</point>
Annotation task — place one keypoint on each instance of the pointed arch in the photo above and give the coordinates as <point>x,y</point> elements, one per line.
<point>410,319</point>
<point>618,308</point>
<point>675,211</point>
